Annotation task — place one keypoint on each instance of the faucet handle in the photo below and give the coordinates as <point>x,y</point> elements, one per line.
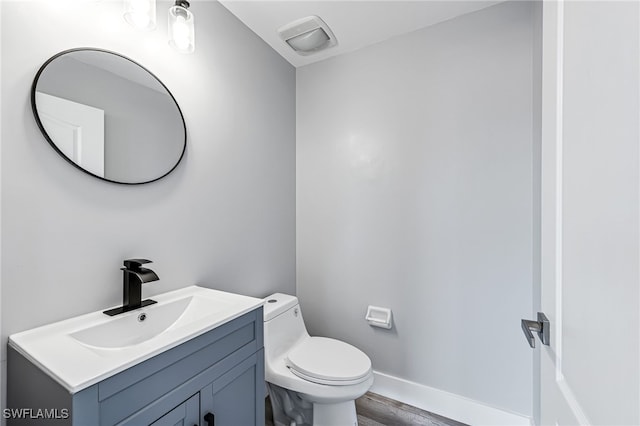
<point>135,264</point>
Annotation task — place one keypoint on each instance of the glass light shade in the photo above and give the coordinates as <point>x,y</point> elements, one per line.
<point>181,29</point>
<point>140,13</point>
<point>309,41</point>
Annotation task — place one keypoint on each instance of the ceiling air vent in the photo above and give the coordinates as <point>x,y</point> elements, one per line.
<point>308,35</point>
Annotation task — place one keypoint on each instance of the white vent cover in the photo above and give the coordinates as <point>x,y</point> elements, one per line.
<point>308,35</point>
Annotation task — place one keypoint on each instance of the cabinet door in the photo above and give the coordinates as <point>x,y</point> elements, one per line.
<point>237,397</point>
<point>185,414</point>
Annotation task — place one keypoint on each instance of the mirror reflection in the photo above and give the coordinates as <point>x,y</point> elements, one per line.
<point>109,116</point>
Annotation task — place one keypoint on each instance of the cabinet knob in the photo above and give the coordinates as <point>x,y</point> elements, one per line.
<point>210,419</point>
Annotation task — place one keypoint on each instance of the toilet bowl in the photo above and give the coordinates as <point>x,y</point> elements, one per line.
<point>311,380</point>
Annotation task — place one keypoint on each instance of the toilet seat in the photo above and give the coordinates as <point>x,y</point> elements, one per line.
<point>329,362</point>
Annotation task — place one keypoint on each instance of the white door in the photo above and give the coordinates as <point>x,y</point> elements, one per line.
<point>590,373</point>
<point>76,129</point>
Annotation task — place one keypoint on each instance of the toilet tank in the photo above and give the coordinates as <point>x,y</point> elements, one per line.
<point>283,324</point>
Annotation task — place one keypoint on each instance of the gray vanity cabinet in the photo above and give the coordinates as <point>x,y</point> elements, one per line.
<point>215,378</point>
<point>227,400</point>
<point>187,413</point>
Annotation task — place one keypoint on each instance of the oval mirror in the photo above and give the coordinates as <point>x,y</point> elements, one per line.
<point>109,116</point>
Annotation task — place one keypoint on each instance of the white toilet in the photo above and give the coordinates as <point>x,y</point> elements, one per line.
<point>311,380</point>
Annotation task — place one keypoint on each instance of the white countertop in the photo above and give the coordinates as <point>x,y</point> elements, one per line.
<point>77,365</point>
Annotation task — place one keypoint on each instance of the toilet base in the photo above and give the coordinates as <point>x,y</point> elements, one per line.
<point>341,413</point>
<point>288,408</point>
<point>292,409</point>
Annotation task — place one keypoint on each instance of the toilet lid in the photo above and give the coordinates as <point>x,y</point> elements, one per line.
<point>329,361</point>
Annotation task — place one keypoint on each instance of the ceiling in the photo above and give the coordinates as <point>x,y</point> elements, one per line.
<point>356,23</point>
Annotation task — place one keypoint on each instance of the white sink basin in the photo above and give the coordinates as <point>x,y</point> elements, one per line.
<point>144,324</point>
<point>84,350</point>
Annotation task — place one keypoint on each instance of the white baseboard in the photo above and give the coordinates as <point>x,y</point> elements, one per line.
<point>444,403</point>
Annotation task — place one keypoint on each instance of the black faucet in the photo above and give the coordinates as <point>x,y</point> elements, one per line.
<point>134,276</point>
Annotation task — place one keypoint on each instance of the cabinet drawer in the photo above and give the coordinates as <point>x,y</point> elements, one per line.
<point>129,391</point>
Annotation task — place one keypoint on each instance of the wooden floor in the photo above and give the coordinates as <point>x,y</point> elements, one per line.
<point>376,410</point>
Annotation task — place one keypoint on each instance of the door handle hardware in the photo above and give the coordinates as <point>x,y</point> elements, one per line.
<point>210,419</point>
<point>541,327</point>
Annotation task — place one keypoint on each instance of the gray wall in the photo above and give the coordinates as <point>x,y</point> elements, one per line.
<point>2,358</point>
<point>415,191</point>
<point>225,218</point>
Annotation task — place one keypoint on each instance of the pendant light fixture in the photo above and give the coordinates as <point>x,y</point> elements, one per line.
<point>140,13</point>
<point>181,27</point>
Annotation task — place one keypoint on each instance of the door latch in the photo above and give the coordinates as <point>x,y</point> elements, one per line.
<point>541,327</point>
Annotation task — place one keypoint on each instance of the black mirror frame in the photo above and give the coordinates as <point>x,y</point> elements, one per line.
<point>44,132</point>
